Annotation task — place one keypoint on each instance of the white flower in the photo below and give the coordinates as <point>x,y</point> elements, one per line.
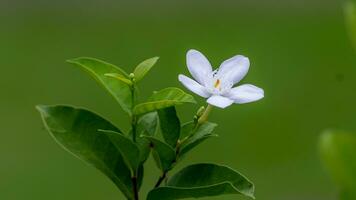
<point>217,85</point>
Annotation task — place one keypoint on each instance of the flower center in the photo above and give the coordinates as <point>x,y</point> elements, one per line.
<point>217,84</point>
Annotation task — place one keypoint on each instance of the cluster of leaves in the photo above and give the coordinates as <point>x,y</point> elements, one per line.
<point>121,156</point>
<point>338,152</point>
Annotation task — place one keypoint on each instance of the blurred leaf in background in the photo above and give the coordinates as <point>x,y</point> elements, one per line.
<point>338,152</point>
<point>350,12</point>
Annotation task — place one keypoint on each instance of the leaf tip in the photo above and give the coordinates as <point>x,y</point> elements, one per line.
<point>78,60</point>
<point>41,108</point>
<point>72,60</point>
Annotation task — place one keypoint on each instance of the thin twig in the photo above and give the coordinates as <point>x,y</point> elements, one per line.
<point>135,189</point>
<point>160,180</point>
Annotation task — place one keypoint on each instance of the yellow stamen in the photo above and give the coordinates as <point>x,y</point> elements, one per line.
<point>217,83</point>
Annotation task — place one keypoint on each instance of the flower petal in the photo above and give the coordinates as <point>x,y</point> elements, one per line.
<point>233,69</point>
<point>193,86</point>
<point>220,101</point>
<point>245,94</point>
<point>198,66</point>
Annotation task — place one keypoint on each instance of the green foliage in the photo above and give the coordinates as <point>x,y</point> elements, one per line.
<point>164,155</point>
<point>147,125</point>
<point>118,89</point>
<point>143,68</point>
<point>120,77</point>
<point>338,152</point>
<point>170,125</point>
<point>76,130</point>
<point>203,180</point>
<point>121,156</point>
<point>198,135</point>
<point>350,14</point>
<point>128,149</point>
<point>186,130</point>
<point>163,99</point>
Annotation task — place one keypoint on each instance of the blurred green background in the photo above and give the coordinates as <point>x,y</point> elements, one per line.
<point>300,54</point>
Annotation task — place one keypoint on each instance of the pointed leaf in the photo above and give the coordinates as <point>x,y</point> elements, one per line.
<point>163,99</point>
<point>203,180</point>
<point>118,89</point>
<point>338,151</point>
<point>76,130</point>
<point>129,151</point>
<point>143,68</point>
<point>165,155</point>
<point>170,125</point>
<point>203,132</point>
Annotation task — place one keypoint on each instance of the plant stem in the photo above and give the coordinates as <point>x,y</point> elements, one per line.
<point>133,117</point>
<point>133,127</point>
<point>160,180</point>
<point>135,189</point>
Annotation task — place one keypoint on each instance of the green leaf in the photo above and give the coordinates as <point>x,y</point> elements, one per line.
<point>127,147</point>
<point>203,180</point>
<point>186,130</point>
<point>164,155</point>
<point>143,68</point>
<point>76,130</point>
<point>203,132</point>
<point>118,89</point>
<point>146,125</point>
<point>120,78</point>
<point>163,99</point>
<point>350,14</point>
<point>170,125</point>
<point>338,152</point>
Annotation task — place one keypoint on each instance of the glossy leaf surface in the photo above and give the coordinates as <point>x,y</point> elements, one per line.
<point>97,69</point>
<point>203,180</point>
<point>129,150</point>
<point>76,130</point>
<point>143,68</point>
<point>170,125</point>
<point>164,155</point>
<point>202,133</point>
<point>163,99</point>
<point>147,125</point>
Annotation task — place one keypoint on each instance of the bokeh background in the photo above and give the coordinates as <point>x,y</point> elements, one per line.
<point>300,54</point>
